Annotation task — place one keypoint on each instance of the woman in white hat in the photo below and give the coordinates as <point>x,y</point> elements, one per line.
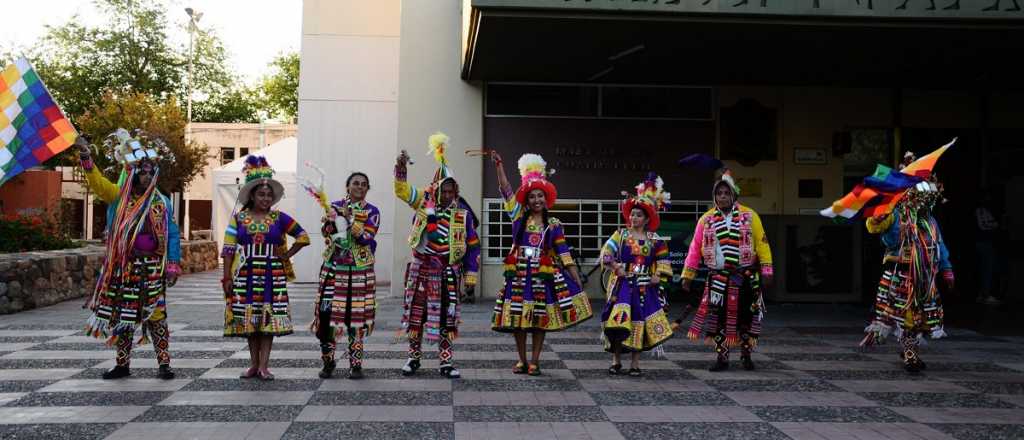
<point>257,266</point>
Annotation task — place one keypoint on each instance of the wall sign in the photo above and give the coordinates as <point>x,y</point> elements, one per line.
<point>810,156</point>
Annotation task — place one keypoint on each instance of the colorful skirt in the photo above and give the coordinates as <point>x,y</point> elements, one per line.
<point>135,294</point>
<point>535,300</point>
<point>258,304</point>
<point>431,297</point>
<point>898,311</point>
<point>347,293</point>
<point>732,305</point>
<point>634,315</point>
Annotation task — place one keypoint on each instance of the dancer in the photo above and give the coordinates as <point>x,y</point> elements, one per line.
<point>445,259</point>
<point>730,241</point>
<point>537,296</point>
<point>634,318</point>
<point>257,266</point>
<point>143,251</point>
<point>346,302</point>
<point>908,302</point>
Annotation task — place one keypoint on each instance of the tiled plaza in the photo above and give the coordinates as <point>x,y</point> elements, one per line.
<point>811,383</point>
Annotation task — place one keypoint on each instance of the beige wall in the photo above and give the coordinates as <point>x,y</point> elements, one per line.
<point>348,112</point>
<point>433,97</point>
<point>808,116</point>
<point>216,136</point>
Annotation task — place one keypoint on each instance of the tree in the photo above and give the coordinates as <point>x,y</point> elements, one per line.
<point>164,120</point>
<point>281,88</point>
<point>130,53</point>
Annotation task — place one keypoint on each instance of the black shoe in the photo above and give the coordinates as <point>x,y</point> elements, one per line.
<point>117,373</point>
<point>165,372</point>
<point>912,367</point>
<point>410,367</point>
<point>355,373</point>
<point>748,363</point>
<point>450,372</point>
<point>615,369</point>
<point>328,370</point>
<point>920,364</point>
<point>635,372</point>
<point>719,366</point>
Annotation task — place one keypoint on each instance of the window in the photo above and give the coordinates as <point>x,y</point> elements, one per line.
<point>599,101</point>
<point>242,152</point>
<point>227,154</point>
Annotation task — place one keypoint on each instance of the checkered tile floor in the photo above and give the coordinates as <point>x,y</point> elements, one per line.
<point>811,383</point>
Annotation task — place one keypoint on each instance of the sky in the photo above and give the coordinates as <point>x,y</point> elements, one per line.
<point>253,31</point>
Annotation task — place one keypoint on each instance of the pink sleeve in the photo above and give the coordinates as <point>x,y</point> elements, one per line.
<point>693,256</point>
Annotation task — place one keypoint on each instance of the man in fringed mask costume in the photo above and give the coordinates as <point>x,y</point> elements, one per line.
<point>142,253</point>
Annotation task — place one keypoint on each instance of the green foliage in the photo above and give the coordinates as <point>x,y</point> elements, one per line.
<point>130,53</point>
<point>281,87</point>
<point>164,120</point>
<point>32,233</point>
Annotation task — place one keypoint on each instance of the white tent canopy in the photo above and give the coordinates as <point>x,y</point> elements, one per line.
<point>282,156</point>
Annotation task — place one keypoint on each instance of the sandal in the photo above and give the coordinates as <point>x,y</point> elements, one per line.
<point>634,372</point>
<point>520,368</point>
<point>249,374</point>
<point>615,369</point>
<point>266,375</point>
<point>534,370</point>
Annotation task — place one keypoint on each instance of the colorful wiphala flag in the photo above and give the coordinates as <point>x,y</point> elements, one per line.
<point>879,193</point>
<point>32,126</point>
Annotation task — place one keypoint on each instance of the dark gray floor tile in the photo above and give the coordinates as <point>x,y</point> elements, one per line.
<point>529,414</point>
<point>938,400</point>
<point>689,398</point>
<point>59,431</point>
<point>679,374</point>
<point>433,398</point>
<point>113,398</point>
<point>994,387</point>
<point>699,431</point>
<point>833,414</point>
<point>797,356</point>
<point>143,373</point>
<point>49,363</point>
<point>23,386</point>
<point>220,413</point>
<point>894,374</point>
<point>772,385</point>
<point>369,431</point>
<point>964,431</point>
<point>253,385</point>
<point>516,385</point>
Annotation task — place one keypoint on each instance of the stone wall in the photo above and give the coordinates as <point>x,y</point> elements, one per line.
<point>29,280</point>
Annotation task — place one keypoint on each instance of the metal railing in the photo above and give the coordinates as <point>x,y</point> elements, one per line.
<point>587,223</point>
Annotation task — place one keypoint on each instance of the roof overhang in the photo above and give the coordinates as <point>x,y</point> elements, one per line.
<point>610,41</point>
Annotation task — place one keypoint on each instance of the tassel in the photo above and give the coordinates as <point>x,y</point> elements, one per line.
<point>659,352</point>
<point>111,341</point>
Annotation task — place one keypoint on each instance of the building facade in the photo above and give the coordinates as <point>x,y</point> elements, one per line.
<point>801,98</point>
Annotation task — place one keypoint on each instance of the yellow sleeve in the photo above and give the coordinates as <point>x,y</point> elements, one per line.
<point>764,251</point>
<point>104,189</point>
<point>880,224</point>
<point>409,194</point>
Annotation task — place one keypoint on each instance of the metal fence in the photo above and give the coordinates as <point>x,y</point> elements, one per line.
<point>587,223</point>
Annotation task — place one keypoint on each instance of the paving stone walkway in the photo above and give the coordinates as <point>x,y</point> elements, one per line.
<point>811,383</point>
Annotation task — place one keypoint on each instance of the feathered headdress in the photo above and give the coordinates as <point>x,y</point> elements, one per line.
<point>534,174</point>
<point>258,172</point>
<point>651,197</point>
<point>129,148</point>
<point>438,149</point>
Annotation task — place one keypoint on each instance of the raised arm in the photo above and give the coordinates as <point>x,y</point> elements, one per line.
<point>104,189</point>
<point>412,196</point>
